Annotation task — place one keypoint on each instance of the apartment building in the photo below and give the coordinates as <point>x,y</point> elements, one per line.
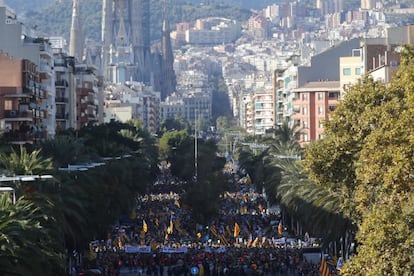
<point>132,100</point>
<point>284,82</point>
<point>21,118</point>
<point>87,96</point>
<point>312,105</point>
<point>350,70</point>
<point>33,94</point>
<point>247,112</point>
<point>264,111</point>
<point>207,31</point>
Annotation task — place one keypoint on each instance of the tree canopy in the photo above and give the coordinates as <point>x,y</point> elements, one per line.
<point>366,159</point>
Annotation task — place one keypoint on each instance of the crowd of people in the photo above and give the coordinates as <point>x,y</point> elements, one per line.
<point>161,238</point>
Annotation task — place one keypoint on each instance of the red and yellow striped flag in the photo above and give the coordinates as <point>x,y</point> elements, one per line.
<point>324,268</point>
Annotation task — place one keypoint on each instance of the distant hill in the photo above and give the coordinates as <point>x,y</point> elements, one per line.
<point>53,17</point>
<point>21,6</point>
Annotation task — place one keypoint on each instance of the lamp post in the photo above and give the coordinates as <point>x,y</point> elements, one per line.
<point>195,147</point>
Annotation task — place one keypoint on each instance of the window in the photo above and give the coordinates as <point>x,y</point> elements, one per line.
<point>320,96</point>
<point>305,124</point>
<point>305,137</point>
<point>304,110</point>
<point>358,71</point>
<point>304,96</point>
<point>320,110</point>
<point>8,105</point>
<point>346,71</point>
<point>320,123</point>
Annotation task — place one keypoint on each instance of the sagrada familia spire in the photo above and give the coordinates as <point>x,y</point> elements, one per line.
<point>126,47</point>
<point>76,37</point>
<point>168,80</point>
<point>126,51</point>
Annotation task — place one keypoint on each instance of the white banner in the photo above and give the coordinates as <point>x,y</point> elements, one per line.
<point>137,249</point>
<point>167,249</point>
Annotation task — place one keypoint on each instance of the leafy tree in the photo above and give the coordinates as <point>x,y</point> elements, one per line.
<point>366,159</point>
<point>202,195</point>
<point>177,123</point>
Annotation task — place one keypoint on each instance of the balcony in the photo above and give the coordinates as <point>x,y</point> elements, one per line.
<point>39,135</point>
<point>61,83</point>
<point>19,137</point>
<point>18,115</point>
<point>62,116</point>
<point>61,100</point>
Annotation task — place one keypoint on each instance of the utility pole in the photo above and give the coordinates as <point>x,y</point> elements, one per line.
<point>195,146</point>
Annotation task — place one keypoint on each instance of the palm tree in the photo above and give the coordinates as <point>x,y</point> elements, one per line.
<point>316,208</point>
<point>25,163</point>
<point>24,249</point>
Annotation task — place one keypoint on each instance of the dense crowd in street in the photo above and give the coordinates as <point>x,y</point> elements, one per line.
<point>161,238</point>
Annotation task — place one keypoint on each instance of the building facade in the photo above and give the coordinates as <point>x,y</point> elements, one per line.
<point>312,106</point>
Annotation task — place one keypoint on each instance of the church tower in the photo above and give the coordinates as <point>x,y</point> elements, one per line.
<point>168,80</point>
<point>126,51</point>
<point>76,37</point>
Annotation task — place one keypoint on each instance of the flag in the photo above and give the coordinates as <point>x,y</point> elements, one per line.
<point>324,268</point>
<point>236,230</point>
<point>214,230</point>
<point>280,228</point>
<point>224,240</point>
<point>171,225</point>
<point>248,179</point>
<point>144,226</point>
<point>170,228</point>
<point>340,263</point>
<point>256,240</point>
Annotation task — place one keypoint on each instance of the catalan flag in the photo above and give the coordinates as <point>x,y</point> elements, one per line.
<point>213,230</point>
<point>224,240</point>
<point>236,230</point>
<point>325,269</point>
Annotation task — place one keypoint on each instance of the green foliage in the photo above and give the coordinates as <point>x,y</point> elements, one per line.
<point>202,195</point>
<point>25,162</point>
<point>26,243</point>
<point>172,143</point>
<point>366,159</point>
<point>50,217</point>
<point>177,123</point>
